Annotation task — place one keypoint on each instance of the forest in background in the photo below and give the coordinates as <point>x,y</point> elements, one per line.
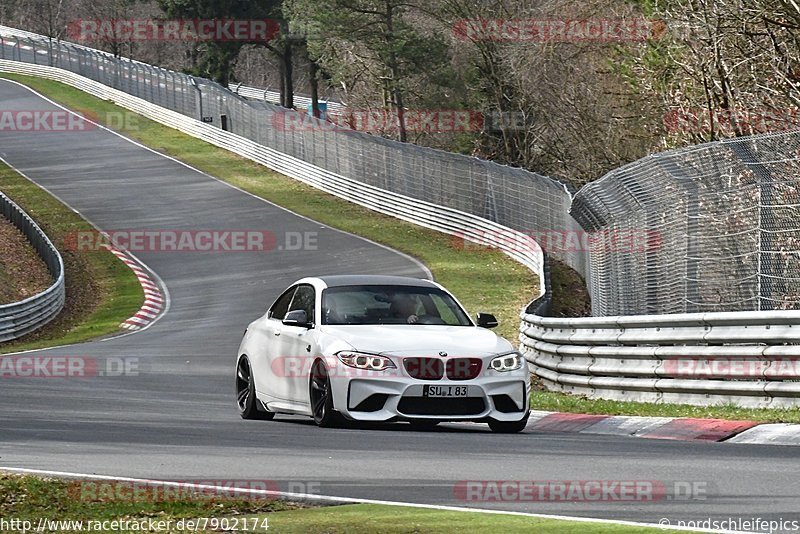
<point>567,100</point>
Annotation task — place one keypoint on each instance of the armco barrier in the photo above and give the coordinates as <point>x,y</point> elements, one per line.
<point>609,357</point>
<point>20,318</point>
<point>741,358</point>
<point>274,97</point>
<point>429,215</point>
<point>512,197</point>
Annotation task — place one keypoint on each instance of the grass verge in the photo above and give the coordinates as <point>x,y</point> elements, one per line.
<point>101,291</point>
<point>27,498</point>
<point>368,518</point>
<point>483,280</point>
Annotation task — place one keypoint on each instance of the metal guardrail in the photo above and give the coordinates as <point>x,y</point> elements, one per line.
<point>511,197</point>
<point>20,318</point>
<point>274,97</point>
<point>609,357</point>
<point>8,30</point>
<point>254,93</point>
<point>741,358</point>
<point>443,219</point>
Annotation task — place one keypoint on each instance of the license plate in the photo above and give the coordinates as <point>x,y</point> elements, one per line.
<point>445,391</point>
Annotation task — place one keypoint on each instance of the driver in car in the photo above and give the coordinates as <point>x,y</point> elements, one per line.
<point>404,307</point>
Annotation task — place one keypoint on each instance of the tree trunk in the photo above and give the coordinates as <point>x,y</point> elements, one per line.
<point>398,102</point>
<point>394,69</point>
<point>313,72</point>
<point>287,88</point>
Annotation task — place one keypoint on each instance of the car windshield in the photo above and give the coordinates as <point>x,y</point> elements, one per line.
<point>409,305</point>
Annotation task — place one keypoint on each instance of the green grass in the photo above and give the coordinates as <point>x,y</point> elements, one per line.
<point>483,280</point>
<point>368,518</point>
<point>29,498</point>
<point>561,402</point>
<point>101,290</point>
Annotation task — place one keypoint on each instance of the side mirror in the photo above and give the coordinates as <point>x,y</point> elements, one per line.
<point>487,320</point>
<point>297,318</point>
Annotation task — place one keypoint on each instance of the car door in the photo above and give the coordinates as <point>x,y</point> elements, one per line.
<point>268,362</point>
<point>297,342</point>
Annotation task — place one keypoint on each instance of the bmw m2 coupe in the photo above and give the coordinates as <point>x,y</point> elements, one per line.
<point>379,348</point>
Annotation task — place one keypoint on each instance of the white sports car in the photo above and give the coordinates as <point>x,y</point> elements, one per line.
<point>379,348</point>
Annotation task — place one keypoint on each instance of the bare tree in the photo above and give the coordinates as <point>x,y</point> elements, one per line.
<point>47,17</point>
<point>563,106</point>
<point>729,68</point>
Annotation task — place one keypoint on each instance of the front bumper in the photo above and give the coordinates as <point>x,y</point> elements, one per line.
<point>493,395</point>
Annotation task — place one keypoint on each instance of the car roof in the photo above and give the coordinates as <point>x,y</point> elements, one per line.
<point>373,280</point>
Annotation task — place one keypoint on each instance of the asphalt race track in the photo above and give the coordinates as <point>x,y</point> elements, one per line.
<point>177,419</point>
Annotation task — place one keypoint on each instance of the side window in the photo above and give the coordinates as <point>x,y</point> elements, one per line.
<point>304,300</point>
<point>281,306</point>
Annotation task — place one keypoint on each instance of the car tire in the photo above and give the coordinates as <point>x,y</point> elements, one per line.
<point>508,427</point>
<point>246,392</point>
<point>321,397</point>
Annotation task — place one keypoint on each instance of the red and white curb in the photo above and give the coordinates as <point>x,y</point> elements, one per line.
<point>771,434</point>
<point>680,429</point>
<point>153,298</point>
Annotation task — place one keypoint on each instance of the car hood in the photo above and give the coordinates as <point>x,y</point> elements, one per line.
<point>420,340</point>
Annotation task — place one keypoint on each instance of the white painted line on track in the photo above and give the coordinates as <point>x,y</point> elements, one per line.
<point>408,257</point>
<point>158,281</point>
<point>343,500</point>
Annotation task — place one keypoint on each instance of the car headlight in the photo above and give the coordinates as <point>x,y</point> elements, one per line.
<point>507,362</point>
<point>369,362</point>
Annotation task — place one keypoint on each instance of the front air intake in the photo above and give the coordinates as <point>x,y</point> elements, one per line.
<point>463,368</point>
<point>424,368</point>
